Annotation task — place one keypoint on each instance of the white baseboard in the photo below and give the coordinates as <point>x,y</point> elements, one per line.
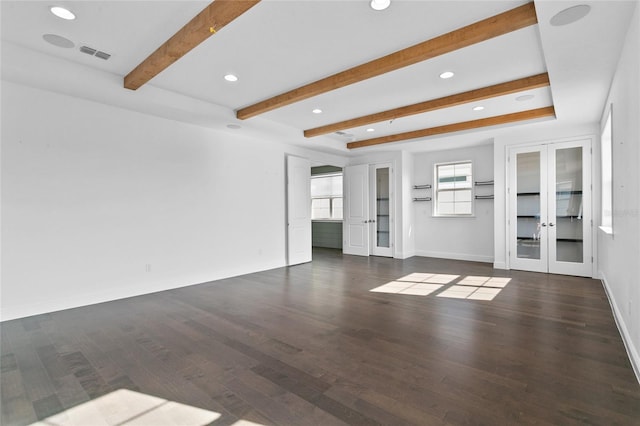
<point>500,265</point>
<point>632,351</point>
<point>455,256</point>
<point>405,255</point>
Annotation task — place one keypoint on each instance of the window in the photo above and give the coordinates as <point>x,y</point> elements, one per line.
<point>607,177</point>
<point>326,197</point>
<point>453,189</point>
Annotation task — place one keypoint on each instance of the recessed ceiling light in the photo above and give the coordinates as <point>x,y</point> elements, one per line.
<point>570,15</point>
<point>446,74</point>
<point>380,4</point>
<point>234,126</point>
<point>371,129</point>
<point>231,77</point>
<point>317,111</point>
<point>63,13</point>
<point>58,41</point>
<point>478,108</point>
<point>524,98</point>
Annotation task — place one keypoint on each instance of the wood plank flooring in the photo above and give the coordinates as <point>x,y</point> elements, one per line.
<point>312,345</point>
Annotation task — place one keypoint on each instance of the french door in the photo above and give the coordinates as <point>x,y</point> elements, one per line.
<point>368,201</point>
<point>550,208</point>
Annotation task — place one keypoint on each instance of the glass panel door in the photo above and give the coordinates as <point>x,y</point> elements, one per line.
<point>528,228</point>
<point>550,213</point>
<point>381,210</point>
<point>569,209</point>
<point>382,207</point>
<point>528,206</point>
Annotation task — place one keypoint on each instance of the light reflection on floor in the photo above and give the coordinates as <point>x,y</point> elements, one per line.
<point>126,407</point>
<point>444,285</point>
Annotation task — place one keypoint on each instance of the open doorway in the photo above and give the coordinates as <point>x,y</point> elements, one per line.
<point>326,206</point>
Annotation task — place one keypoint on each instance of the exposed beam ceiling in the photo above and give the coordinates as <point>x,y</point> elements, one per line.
<point>456,127</point>
<point>515,86</point>
<point>497,25</point>
<point>206,23</point>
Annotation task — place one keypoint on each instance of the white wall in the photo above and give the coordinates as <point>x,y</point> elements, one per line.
<point>619,258</point>
<point>465,238</point>
<point>100,203</point>
<point>408,215</point>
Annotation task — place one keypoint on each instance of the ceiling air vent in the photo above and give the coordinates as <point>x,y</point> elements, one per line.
<point>88,50</point>
<point>346,135</point>
<point>93,52</point>
<point>102,55</point>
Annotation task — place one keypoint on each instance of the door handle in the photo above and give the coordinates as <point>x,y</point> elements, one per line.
<point>543,224</point>
<point>552,224</point>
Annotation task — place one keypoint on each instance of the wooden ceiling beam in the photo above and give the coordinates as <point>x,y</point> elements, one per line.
<point>456,127</point>
<point>511,20</point>
<point>206,23</point>
<point>515,86</point>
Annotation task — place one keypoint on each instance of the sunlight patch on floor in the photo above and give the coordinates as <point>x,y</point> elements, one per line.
<point>418,277</point>
<point>485,281</point>
<point>126,407</point>
<point>445,285</point>
<point>417,289</point>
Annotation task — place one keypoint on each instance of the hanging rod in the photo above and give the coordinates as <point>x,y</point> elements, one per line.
<point>422,199</point>
<point>486,182</point>
<point>484,197</point>
<point>427,186</point>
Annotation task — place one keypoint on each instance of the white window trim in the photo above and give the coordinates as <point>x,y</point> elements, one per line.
<point>606,182</point>
<point>436,192</point>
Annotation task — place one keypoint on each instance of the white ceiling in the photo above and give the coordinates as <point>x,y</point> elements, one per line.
<point>279,45</point>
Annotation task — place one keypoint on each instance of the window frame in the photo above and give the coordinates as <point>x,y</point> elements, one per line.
<point>437,191</point>
<point>606,179</point>
<point>331,198</point>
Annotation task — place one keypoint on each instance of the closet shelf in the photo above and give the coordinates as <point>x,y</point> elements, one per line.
<point>569,192</point>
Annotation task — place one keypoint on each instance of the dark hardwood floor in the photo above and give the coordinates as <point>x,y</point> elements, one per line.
<point>312,344</point>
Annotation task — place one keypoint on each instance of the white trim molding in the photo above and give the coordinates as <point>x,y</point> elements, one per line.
<point>632,351</point>
<point>455,256</point>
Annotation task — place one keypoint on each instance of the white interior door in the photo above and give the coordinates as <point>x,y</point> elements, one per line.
<point>528,207</point>
<point>298,210</point>
<point>381,210</point>
<point>356,210</point>
<point>550,208</point>
<point>569,225</point>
